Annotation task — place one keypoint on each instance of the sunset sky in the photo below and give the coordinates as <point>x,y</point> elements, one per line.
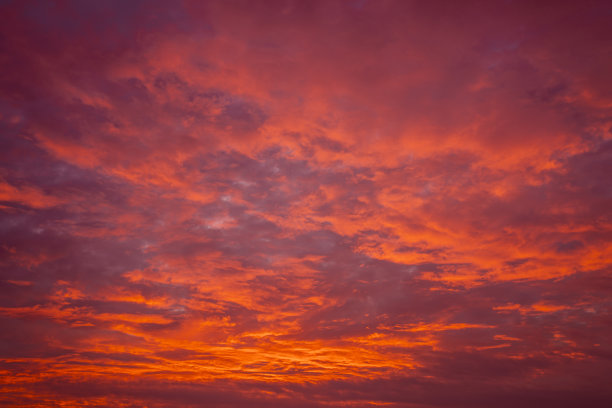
<point>294,204</point>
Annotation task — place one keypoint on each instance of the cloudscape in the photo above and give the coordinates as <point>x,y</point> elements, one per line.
<point>308,203</point>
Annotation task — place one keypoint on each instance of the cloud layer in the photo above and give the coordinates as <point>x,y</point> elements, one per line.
<point>305,204</point>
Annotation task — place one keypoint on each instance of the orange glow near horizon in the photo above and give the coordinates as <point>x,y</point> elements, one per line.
<point>284,203</point>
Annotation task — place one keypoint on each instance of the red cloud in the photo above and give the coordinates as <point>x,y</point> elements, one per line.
<point>305,204</point>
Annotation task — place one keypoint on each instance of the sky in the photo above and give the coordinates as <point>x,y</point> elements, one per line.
<point>301,204</point>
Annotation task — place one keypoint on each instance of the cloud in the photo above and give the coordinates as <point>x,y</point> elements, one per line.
<point>305,203</point>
